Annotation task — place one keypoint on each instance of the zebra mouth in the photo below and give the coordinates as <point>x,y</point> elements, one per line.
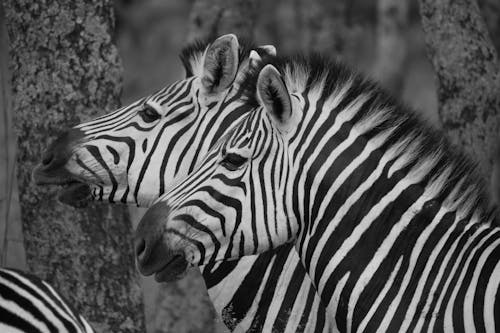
<point>173,270</point>
<point>75,193</point>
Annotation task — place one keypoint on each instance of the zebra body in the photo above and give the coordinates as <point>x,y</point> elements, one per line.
<point>29,304</point>
<point>138,152</point>
<point>390,222</point>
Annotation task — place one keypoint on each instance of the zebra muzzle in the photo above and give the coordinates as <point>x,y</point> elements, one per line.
<point>153,254</point>
<point>166,264</point>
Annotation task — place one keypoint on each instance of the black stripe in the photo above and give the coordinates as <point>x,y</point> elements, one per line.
<point>196,243</point>
<point>480,294</point>
<point>116,157</point>
<point>86,168</point>
<point>43,293</point>
<point>94,151</point>
<point>209,211</point>
<point>13,320</point>
<point>9,294</point>
<point>268,291</point>
<point>427,213</point>
<point>242,300</point>
<point>311,295</point>
<point>152,151</point>
<point>440,319</point>
<point>171,146</point>
<point>458,304</point>
<point>447,220</point>
<point>214,277</point>
<point>135,125</point>
<point>292,290</point>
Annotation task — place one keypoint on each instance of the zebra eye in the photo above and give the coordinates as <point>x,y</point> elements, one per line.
<point>233,161</point>
<point>149,114</point>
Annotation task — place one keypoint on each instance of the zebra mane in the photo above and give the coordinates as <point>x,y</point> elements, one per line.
<point>193,54</point>
<point>420,146</point>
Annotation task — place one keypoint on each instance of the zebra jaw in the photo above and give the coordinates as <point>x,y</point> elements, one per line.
<point>75,194</point>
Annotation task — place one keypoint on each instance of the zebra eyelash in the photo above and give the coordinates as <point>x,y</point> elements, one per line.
<point>149,114</point>
<point>232,161</point>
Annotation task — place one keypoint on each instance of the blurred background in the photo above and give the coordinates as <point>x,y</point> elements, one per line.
<point>383,39</point>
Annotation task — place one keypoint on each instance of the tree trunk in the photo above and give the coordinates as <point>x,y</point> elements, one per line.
<point>392,23</point>
<point>65,70</point>
<point>212,18</point>
<point>466,65</point>
<point>11,236</point>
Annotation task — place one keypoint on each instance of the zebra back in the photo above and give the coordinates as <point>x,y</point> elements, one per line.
<point>29,304</point>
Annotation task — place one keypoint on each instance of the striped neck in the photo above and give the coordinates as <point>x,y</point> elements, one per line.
<point>393,231</point>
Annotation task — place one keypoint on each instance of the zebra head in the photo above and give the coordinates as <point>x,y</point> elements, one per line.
<point>134,153</point>
<point>237,201</point>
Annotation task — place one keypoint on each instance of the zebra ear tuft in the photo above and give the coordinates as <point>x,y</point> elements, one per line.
<point>273,95</point>
<point>220,64</point>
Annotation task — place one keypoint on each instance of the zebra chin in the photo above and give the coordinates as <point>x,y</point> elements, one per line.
<point>77,195</point>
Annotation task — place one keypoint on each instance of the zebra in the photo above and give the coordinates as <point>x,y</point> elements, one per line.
<point>390,221</point>
<point>136,153</point>
<point>29,304</point>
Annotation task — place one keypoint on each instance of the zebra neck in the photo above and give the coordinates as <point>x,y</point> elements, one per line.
<point>387,229</point>
<point>414,277</point>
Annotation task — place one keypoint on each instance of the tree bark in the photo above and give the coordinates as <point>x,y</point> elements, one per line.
<point>392,23</point>
<point>11,237</point>
<point>466,65</point>
<point>66,70</point>
<point>211,18</point>
<point>491,13</point>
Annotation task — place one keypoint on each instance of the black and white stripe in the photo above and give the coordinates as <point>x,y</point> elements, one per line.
<point>132,156</point>
<point>29,304</point>
<point>389,220</point>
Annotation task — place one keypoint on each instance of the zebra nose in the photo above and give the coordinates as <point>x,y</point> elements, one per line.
<point>53,159</point>
<point>150,250</point>
<point>59,151</point>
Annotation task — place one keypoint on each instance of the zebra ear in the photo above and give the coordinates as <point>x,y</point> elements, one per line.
<point>273,95</point>
<point>255,56</point>
<point>220,64</point>
<point>253,59</point>
<point>268,49</point>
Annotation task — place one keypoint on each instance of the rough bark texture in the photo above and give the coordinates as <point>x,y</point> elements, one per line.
<point>392,23</point>
<point>11,236</point>
<point>66,70</point>
<point>184,306</point>
<point>466,65</point>
<point>212,18</point>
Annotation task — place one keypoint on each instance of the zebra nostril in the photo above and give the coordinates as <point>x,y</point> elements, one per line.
<point>47,158</point>
<point>140,247</point>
